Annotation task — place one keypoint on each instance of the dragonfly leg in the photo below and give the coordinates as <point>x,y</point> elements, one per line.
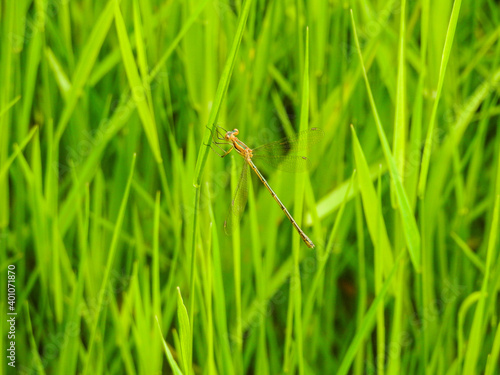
<point>227,152</point>
<point>211,132</point>
<point>216,143</point>
<point>216,134</point>
<point>221,135</point>
<point>224,152</point>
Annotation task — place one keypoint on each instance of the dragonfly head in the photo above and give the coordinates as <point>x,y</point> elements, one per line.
<point>230,134</point>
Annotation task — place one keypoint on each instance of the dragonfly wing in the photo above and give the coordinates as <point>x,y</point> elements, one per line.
<point>301,143</point>
<point>238,202</point>
<point>286,163</point>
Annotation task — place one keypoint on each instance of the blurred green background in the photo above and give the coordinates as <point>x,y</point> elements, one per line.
<point>112,206</point>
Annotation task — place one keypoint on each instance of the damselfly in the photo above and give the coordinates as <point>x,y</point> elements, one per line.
<point>283,154</point>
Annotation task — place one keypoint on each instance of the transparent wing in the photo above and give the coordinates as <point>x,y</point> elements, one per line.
<point>286,163</point>
<point>239,201</point>
<point>301,143</point>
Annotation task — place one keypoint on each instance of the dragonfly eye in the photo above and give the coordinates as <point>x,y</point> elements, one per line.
<point>227,136</point>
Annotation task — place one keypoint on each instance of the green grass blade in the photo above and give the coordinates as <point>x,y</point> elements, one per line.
<point>462,312</point>
<point>450,36</point>
<point>324,257</point>
<point>9,105</point>
<point>378,278</point>
<point>109,264</point>
<point>185,334</point>
<point>61,78</point>
<point>368,321</point>
<point>7,163</point>
<point>139,91</point>
<point>400,123</point>
<point>494,354</point>
<point>37,359</point>
<point>373,215</point>
<point>468,252</point>
<point>259,301</point>
<point>170,358</point>
<point>185,28</point>
<point>412,234</point>
<point>330,202</point>
<point>219,95</point>
<point>476,341</point>
<point>296,285</point>
<point>85,65</point>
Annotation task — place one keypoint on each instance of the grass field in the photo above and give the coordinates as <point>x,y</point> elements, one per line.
<point>113,251</point>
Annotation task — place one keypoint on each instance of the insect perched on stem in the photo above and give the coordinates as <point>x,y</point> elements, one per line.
<point>282,154</point>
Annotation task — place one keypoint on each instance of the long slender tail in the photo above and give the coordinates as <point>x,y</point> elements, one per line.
<point>304,237</point>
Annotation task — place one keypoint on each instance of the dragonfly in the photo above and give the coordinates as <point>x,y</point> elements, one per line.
<point>283,154</point>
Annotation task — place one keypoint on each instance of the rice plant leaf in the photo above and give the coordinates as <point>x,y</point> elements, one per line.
<point>61,78</point>
<point>219,95</point>
<point>185,28</point>
<point>334,199</point>
<point>109,265</point>
<point>170,358</point>
<point>185,333</point>
<point>400,125</point>
<point>450,35</point>
<point>494,354</point>
<point>17,151</point>
<point>411,232</point>
<point>476,337</point>
<point>368,321</point>
<point>374,218</point>
<point>9,105</point>
<point>85,65</point>
<point>139,90</point>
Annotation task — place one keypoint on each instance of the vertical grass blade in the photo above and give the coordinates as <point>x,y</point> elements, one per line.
<point>85,65</point>
<point>107,272</point>
<point>368,320</point>
<point>296,285</point>
<point>492,363</point>
<point>400,124</point>
<point>373,215</point>
<point>185,334</point>
<point>450,35</point>
<point>219,95</point>
<point>411,231</point>
<point>139,91</point>
<point>476,341</point>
